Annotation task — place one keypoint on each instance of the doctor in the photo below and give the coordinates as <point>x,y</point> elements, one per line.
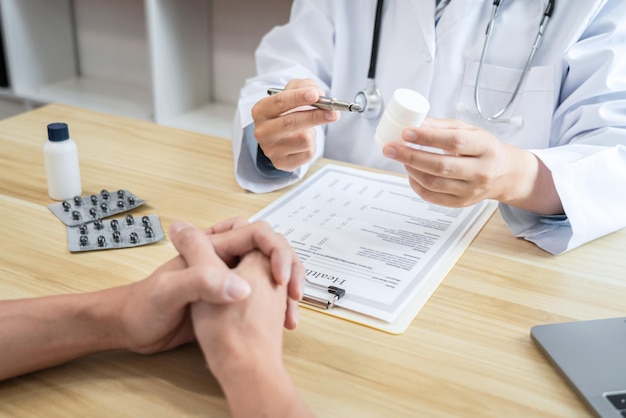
<point>548,141</point>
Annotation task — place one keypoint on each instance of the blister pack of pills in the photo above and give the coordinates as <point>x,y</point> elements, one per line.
<point>122,232</point>
<point>88,208</point>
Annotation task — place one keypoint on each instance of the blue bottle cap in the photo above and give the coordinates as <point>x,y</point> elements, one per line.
<point>58,131</point>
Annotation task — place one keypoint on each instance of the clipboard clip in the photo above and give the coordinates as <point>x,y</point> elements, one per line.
<point>320,302</point>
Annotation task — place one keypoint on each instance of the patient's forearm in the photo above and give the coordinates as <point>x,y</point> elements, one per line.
<point>44,332</point>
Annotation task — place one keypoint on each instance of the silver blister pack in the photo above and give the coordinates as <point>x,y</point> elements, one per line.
<point>88,208</point>
<point>109,234</point>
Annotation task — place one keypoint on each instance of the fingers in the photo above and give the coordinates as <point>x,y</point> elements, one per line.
<point>437,197</point>
<point>287,150</point>
<point>452,136</point>
<point>464,148</point>
<point>433,164</point>
<point>286,102</point>
<point>296,280</point>
<point>285,265</point>
<point>291,315</point>
<point>284,124</point>
<point>207,284</point>
<point>297,93</point>
<point>445,124</point>
<point>295,83</point>
<point>251,267</point>
<point>293,119</point>
<point>258,235</point>
<point>473,164</point>
<point>227,225</point>
<point>206,277</point>
<point>193,245</point>
<point>209,256</point>
<point>448,180</point>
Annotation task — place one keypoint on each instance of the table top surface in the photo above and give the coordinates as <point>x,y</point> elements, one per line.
<point>467,353</point>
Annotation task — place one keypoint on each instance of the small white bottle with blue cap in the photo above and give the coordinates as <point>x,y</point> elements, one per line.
<point>61,160</point>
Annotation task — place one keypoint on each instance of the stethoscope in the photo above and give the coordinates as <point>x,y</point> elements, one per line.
<point>371,100</point>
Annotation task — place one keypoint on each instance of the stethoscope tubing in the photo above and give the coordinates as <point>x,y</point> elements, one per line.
<point>488,33</point>
<point>370,98</point>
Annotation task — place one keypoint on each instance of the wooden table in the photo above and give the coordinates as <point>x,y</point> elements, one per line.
<point>468,352</point>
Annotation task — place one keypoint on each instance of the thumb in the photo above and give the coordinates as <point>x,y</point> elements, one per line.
<point>216,284</point>
<point>234,288</point>
<point>207,284</point>
<point>207,277</point>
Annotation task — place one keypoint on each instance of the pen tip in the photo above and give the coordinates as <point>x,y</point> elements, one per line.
<point>354,107</point>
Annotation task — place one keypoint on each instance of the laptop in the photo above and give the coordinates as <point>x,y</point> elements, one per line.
<point>591,355</point>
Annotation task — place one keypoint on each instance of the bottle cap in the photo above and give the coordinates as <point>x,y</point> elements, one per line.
<point>58,131</point>
<point>408,107</point>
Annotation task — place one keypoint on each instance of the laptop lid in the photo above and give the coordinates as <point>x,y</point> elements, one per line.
<point>592,357</point>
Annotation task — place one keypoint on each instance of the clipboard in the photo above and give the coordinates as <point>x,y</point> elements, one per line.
<point>400,325</point>
<point>308,208</point>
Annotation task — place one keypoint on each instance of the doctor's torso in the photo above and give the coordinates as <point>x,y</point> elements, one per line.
<point>441,62</point>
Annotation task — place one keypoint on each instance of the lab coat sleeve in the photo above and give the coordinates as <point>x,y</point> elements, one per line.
<point>587,156</point>
<point>300,49</point>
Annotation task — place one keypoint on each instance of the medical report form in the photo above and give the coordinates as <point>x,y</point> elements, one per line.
<point>369,234</point>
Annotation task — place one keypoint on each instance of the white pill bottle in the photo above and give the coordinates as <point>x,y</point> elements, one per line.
<point>406,108</point>
<point>61,161</point>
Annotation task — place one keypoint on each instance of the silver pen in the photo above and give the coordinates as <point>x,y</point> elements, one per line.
<point>326,102</point>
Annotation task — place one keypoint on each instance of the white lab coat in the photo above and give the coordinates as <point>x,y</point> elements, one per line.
<point>572,106</point>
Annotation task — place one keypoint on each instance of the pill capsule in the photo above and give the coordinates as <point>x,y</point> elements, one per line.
<point>105,194</point>
<point>101,241</point>
<point>97,224</point>
<point>83,229</point>
<point>93,212</point>
<point>116,236</point>
<point>76,215</point>
<point>146,221</point>
<point>104,207</point>
<point>149,232</point>
<point>66,206</point>
<point>120,204</point>
<point>83,240</point>
<point>131,200</point>
<point>115,225</point>
<point>134,238</point>
<point>94,199</point>
<point>130,220</point>
<point>78,200</point>
<point>121,194</point>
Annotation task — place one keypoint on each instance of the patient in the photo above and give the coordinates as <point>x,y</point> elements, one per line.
<point>231,287</point>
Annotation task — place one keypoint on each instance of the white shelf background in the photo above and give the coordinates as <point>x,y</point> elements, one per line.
<point>179,63</point>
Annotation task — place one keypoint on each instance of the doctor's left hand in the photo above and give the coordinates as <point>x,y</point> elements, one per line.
<point>474,166</point>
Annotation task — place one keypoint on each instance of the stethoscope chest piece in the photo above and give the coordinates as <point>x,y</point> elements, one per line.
<point>370,100</point>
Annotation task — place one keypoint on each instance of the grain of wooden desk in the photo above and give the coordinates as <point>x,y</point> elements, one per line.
<point>468,352</point>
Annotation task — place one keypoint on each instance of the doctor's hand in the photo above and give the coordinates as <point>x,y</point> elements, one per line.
<point>474,166</point>
<point>285,124</point>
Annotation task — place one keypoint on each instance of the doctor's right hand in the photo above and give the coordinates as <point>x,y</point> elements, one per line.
<point>285,124</point>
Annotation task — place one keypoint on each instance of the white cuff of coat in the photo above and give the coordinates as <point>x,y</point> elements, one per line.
<point>550,233</point>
